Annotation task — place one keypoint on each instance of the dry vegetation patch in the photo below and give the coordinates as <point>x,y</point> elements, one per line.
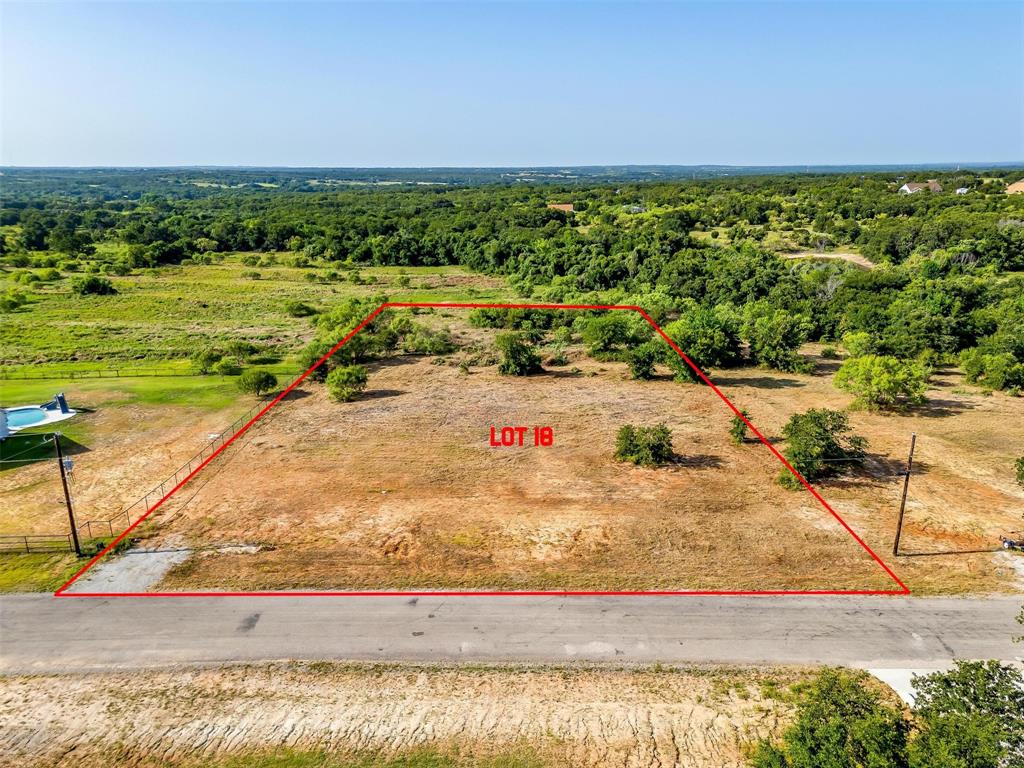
<point>579,716</point>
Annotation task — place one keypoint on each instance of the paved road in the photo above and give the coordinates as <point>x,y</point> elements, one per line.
<point>42,633</point>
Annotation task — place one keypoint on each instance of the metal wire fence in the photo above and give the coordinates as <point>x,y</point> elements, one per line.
<point>28,543</point>
<point>137,509</point>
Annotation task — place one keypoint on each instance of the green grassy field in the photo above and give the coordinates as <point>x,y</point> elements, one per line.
<point>165,314</point>
<point>208,392</point>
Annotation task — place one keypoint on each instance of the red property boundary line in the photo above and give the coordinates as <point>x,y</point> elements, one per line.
<point>902,590</point>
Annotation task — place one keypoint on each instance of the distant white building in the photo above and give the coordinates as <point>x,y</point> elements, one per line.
<point>962,190</point>
<point>915,186</point>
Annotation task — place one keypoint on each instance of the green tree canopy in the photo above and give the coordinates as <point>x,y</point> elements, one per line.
<point>881,381</point>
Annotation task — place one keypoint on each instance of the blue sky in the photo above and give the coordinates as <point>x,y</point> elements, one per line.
<point>390,84</point>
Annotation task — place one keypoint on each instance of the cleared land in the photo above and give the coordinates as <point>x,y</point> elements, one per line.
<point>401,489</point>
<point>567,715</point>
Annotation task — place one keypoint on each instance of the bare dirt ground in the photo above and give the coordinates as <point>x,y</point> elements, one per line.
<point>131,448</point>
<point>401,489</point>
<point>852,258</point>
<point>571,716</point>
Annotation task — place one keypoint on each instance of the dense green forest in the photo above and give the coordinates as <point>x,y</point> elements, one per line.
<point>948,276</point>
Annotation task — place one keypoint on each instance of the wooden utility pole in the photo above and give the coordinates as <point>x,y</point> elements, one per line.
<point>67,493</point>
<point>903,501</point>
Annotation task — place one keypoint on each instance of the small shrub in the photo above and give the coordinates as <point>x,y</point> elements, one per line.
<point>858,343</point>
<point>820,443</point>
<point>240,350</point>
<point>556,355</point>
<point>738,428</point>
<point>518,356</point>
<point>257,382</point>
<point>93,285</point>
<point>605,333</point>
<point>296,308</point>
<point>1019,466</point>
<point>644,446</point>
<point>346,382</point>
<point>829,353</point>
<point>227,367</point>
<point>251,274</point>
<point>420,340</point>
<point>205,359</point>
<point>11,300</point>
<point>642,360</point>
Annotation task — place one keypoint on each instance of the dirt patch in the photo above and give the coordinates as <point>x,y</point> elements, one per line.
<point>581,717</point>
<point>851,258</point>
<point>401,489</point>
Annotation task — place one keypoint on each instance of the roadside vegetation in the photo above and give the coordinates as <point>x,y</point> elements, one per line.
<point>969,717</point>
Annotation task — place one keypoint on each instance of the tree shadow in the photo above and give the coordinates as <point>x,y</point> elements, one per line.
<point>943,553</point>
<point>555,373</point>
<point>394,361</point>
<point>700,461</point>
<point>296,394</point>
<point>874,470</point>
<point>378,394</point>
<point>21,450</point>
<point>938,408</point>
<point>760,382</point>
<point>826,367</point>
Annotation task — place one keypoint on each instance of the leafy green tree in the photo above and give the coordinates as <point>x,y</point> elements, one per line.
<point>774,335</point>
<point>345,383</point>
<point>971,716</point>
<point>642,359</point>
<point>227,366</point>
<point>957,741</point>
<point>606,333</point>
<point>707,336</point>
<point>204,359</point>
<point>839,724</point>
<point>738,428</point>
<point>644,446</point>
<point>858,343</point>
<point>819,443</point>
<point>999,370</point>
<point>518,356</point>
<point>883,382</point>
<point>257,382</point>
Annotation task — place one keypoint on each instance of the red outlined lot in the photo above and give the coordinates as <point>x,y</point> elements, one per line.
<point>899,589</point>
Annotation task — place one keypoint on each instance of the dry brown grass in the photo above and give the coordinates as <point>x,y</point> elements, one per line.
<point>401,490</point>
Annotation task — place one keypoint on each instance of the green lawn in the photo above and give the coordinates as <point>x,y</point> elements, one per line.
<point>209,392</point>
<point>37,572</point>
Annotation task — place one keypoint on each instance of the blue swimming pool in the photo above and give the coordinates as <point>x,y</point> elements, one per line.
<point>24,417</point>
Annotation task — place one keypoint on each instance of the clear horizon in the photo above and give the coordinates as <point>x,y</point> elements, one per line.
<point>502,85</point>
